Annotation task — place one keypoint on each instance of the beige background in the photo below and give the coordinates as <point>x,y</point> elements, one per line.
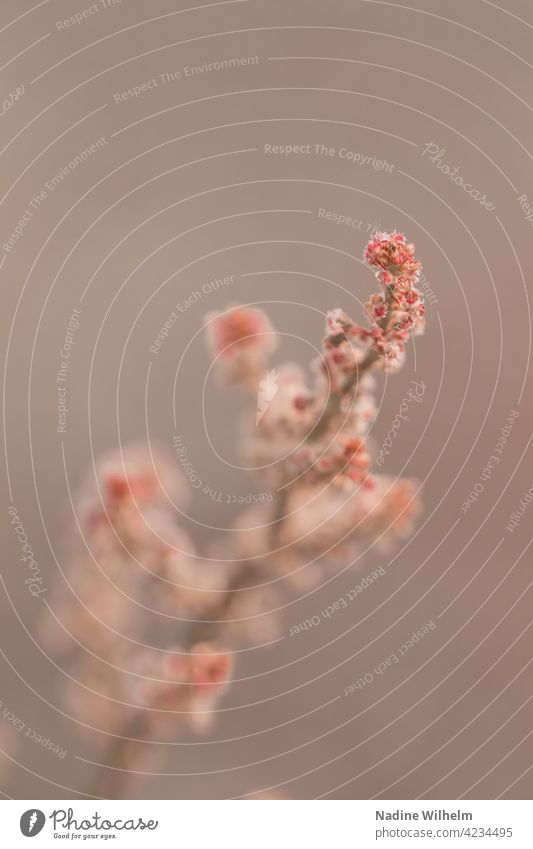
<point>182,193</point>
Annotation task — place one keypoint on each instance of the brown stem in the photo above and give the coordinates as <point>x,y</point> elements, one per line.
<point>136,728</point>
<point>118,776</point>
<point>332,408</point>
<point>210,628</point>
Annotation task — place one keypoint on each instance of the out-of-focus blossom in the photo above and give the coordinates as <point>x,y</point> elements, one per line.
<point>189,683</point>
<point>241,338</point>
<point>336,519</point>
<point>135,579</point>
<point>287,410</point>
<point>285,422</point>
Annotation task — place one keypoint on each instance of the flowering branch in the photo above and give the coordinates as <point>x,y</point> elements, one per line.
<point>149,619</point>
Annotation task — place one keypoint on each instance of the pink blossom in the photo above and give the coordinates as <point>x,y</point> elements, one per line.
<point>393,255</point>
<point>239,328</point>
<point>338,323</point>
<point>210,669</point>
<point>190,683</point>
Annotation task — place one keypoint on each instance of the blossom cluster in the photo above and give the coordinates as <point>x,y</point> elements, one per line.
<point>135,579</point>
<point>394,313</point>
<point>311,438</point>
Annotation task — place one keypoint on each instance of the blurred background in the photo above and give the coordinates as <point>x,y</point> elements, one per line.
<point>145,170</point>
